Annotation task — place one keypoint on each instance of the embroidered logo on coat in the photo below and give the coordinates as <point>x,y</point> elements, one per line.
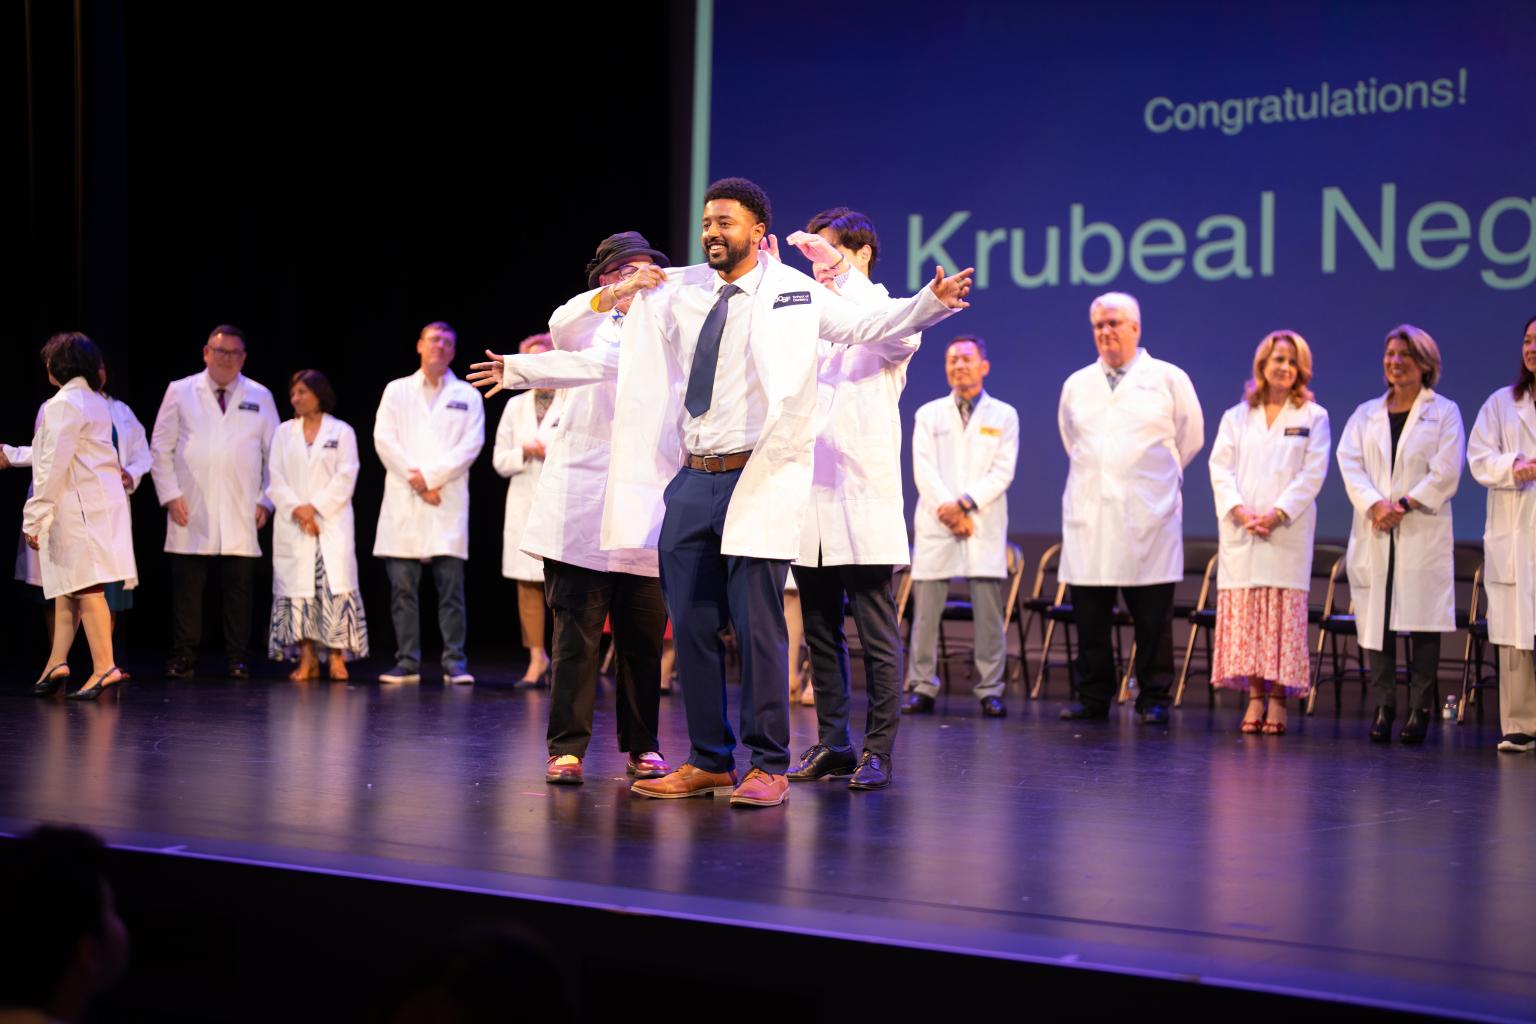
<point>461,406</point>
<point>334,442</point>
<point>991,432</point>
<point>250,407</point>
<point>792,299</point>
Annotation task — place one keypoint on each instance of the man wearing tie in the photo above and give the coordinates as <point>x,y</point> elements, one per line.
<point>713,434</point>
<point>208,457</point>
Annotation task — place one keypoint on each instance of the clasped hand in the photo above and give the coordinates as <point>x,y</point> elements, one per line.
<point>1260,524</point>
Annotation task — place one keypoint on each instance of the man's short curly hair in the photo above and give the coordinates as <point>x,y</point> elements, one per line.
<point>747,194</point>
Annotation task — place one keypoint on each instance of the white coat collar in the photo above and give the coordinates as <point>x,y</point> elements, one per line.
<point>749,282</point>
<point>231,389</point>
<point>76,383</point>
<point>420,378</point>
<point>1525,408</point>
<point>1383,430</point>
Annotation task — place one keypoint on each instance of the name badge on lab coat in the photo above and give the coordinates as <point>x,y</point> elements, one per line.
<point>1298,431</point>
<point>334,442</point>
<point>250,407</point>
<point>461,406</point>
<point>792,299</point>
<point>991,432</point>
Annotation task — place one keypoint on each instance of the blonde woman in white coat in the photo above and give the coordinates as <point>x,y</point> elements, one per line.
<point>1502,454</point>
<point>1400,456</point>
<point>77,517</point>
<point>1268,463</point>
<point>315,597</point>
<point>527,426</point>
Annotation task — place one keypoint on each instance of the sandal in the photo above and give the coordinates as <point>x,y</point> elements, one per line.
<point>1253,726</point>
<point>93,690</point>
<point>50,681</point>
<point>1272,728</point>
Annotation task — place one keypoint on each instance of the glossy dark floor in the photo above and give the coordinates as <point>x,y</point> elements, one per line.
<point>1312,863</point>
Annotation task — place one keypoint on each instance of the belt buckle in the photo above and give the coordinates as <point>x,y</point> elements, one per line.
<point>719,463</point>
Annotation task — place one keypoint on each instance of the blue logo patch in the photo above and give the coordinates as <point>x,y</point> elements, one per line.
<point>250,407</point>
<point>792,299</point>
<point>461,406</point>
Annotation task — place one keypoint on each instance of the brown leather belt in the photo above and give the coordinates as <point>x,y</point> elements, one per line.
<point>717,463</point>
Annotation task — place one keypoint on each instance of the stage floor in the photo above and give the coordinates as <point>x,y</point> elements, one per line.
<point>1313,864</point>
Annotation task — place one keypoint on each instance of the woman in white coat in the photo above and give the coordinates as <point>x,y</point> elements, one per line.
<point>315,598</point>
<point>77,517</point>
<point>1502,454</point>
<point>1400,457</point>
<point>528,424</point>
<point>1268,463</point>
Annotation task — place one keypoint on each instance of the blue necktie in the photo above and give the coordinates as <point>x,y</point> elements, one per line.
<point>701,376</point>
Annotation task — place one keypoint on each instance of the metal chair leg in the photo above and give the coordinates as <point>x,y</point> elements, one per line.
<point>1189,652</point>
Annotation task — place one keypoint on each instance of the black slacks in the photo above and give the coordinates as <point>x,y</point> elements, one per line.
<point>579,599</point>
<point>1151,607</point>
<point>868,590</point>
<point>189,579</point>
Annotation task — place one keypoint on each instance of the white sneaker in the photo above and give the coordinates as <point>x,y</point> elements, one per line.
<point>400,674</point>
<point>1517,743</point>
<point>461,677</point>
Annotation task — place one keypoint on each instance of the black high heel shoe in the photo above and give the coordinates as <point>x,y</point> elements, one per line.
<point>50,681</point>
<point>93,690</point>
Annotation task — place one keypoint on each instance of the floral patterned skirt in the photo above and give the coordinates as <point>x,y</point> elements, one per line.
<point>1262,632</point>
<point>326,620</point>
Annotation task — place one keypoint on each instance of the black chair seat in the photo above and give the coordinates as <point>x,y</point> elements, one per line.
<point>1036,604</point>
<point>958,611</point>
<point>1059,613</point>
<point>1337,624</point>
<point>1205,617</point>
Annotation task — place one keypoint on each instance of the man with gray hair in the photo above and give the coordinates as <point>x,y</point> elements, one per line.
<point>1130,424</point>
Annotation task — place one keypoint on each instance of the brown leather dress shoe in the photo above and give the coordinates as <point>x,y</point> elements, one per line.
<point>568,774</point>
<point>759,789</point>
<point>686,781</point>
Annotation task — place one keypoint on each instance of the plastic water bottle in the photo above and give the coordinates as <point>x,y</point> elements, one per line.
<point>1449,711</point>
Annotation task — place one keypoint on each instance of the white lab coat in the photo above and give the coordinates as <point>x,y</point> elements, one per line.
<point>857,514</point>
<point>323,475</point>
<point>790,312</point>
<point>519,425</point>
<point>1269,466</point>
<point>950,459</point>
<point>566,520</point>
<point>78,509</point>
<point>1428,469</point>
<point>440,440</point>
<point>1122,513</point>
<point>132,455</point>
<point>216,460</point>
<point>1505,431</point>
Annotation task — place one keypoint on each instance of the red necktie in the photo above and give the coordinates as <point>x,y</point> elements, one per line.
<point>220,393</point>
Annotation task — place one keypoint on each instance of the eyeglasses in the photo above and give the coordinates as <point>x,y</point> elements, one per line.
<point>627,271</point>
<point>226,353</point>
<point>1108,325</point>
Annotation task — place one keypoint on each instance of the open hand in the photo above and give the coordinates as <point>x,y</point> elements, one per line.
<point>814,248</point>
<point>488,374</point>
<point>770,245</point>
<point>952,290</point>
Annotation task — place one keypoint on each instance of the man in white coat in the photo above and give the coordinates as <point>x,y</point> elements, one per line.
<point>714,427</point>
<point>584,583</point>
<point>1130,424</point>
<point>208,457</point>
<point>965,447</point>
<point>855,531</point>
<point>428,431</point>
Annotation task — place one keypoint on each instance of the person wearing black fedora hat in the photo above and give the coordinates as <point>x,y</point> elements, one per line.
<point>583,584</point>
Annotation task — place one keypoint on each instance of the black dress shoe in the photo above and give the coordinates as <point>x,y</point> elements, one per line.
<point>1077,712</point>
<point>1415,728</point>
<point>874,772</point>
<point>178,668</point>
<point>821,761</point>
<point>993,707</point>
<point>1381,728</point>
<point>915,703</point>
<point>237,670</point>
<point>1155,714</point>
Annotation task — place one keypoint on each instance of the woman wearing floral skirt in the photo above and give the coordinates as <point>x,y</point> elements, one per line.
<point>1267,466</point>
<point>315,600</point>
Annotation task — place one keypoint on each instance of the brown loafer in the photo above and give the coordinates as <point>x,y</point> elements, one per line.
<point>759,789</point>
<point>649,765</point>
<point>686,781</point>
<point>562,774</point>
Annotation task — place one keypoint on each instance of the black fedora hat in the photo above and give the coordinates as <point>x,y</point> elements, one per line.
<point>621,248</point>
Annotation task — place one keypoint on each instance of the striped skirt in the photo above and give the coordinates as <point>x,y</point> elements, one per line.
<point>326,620</point>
